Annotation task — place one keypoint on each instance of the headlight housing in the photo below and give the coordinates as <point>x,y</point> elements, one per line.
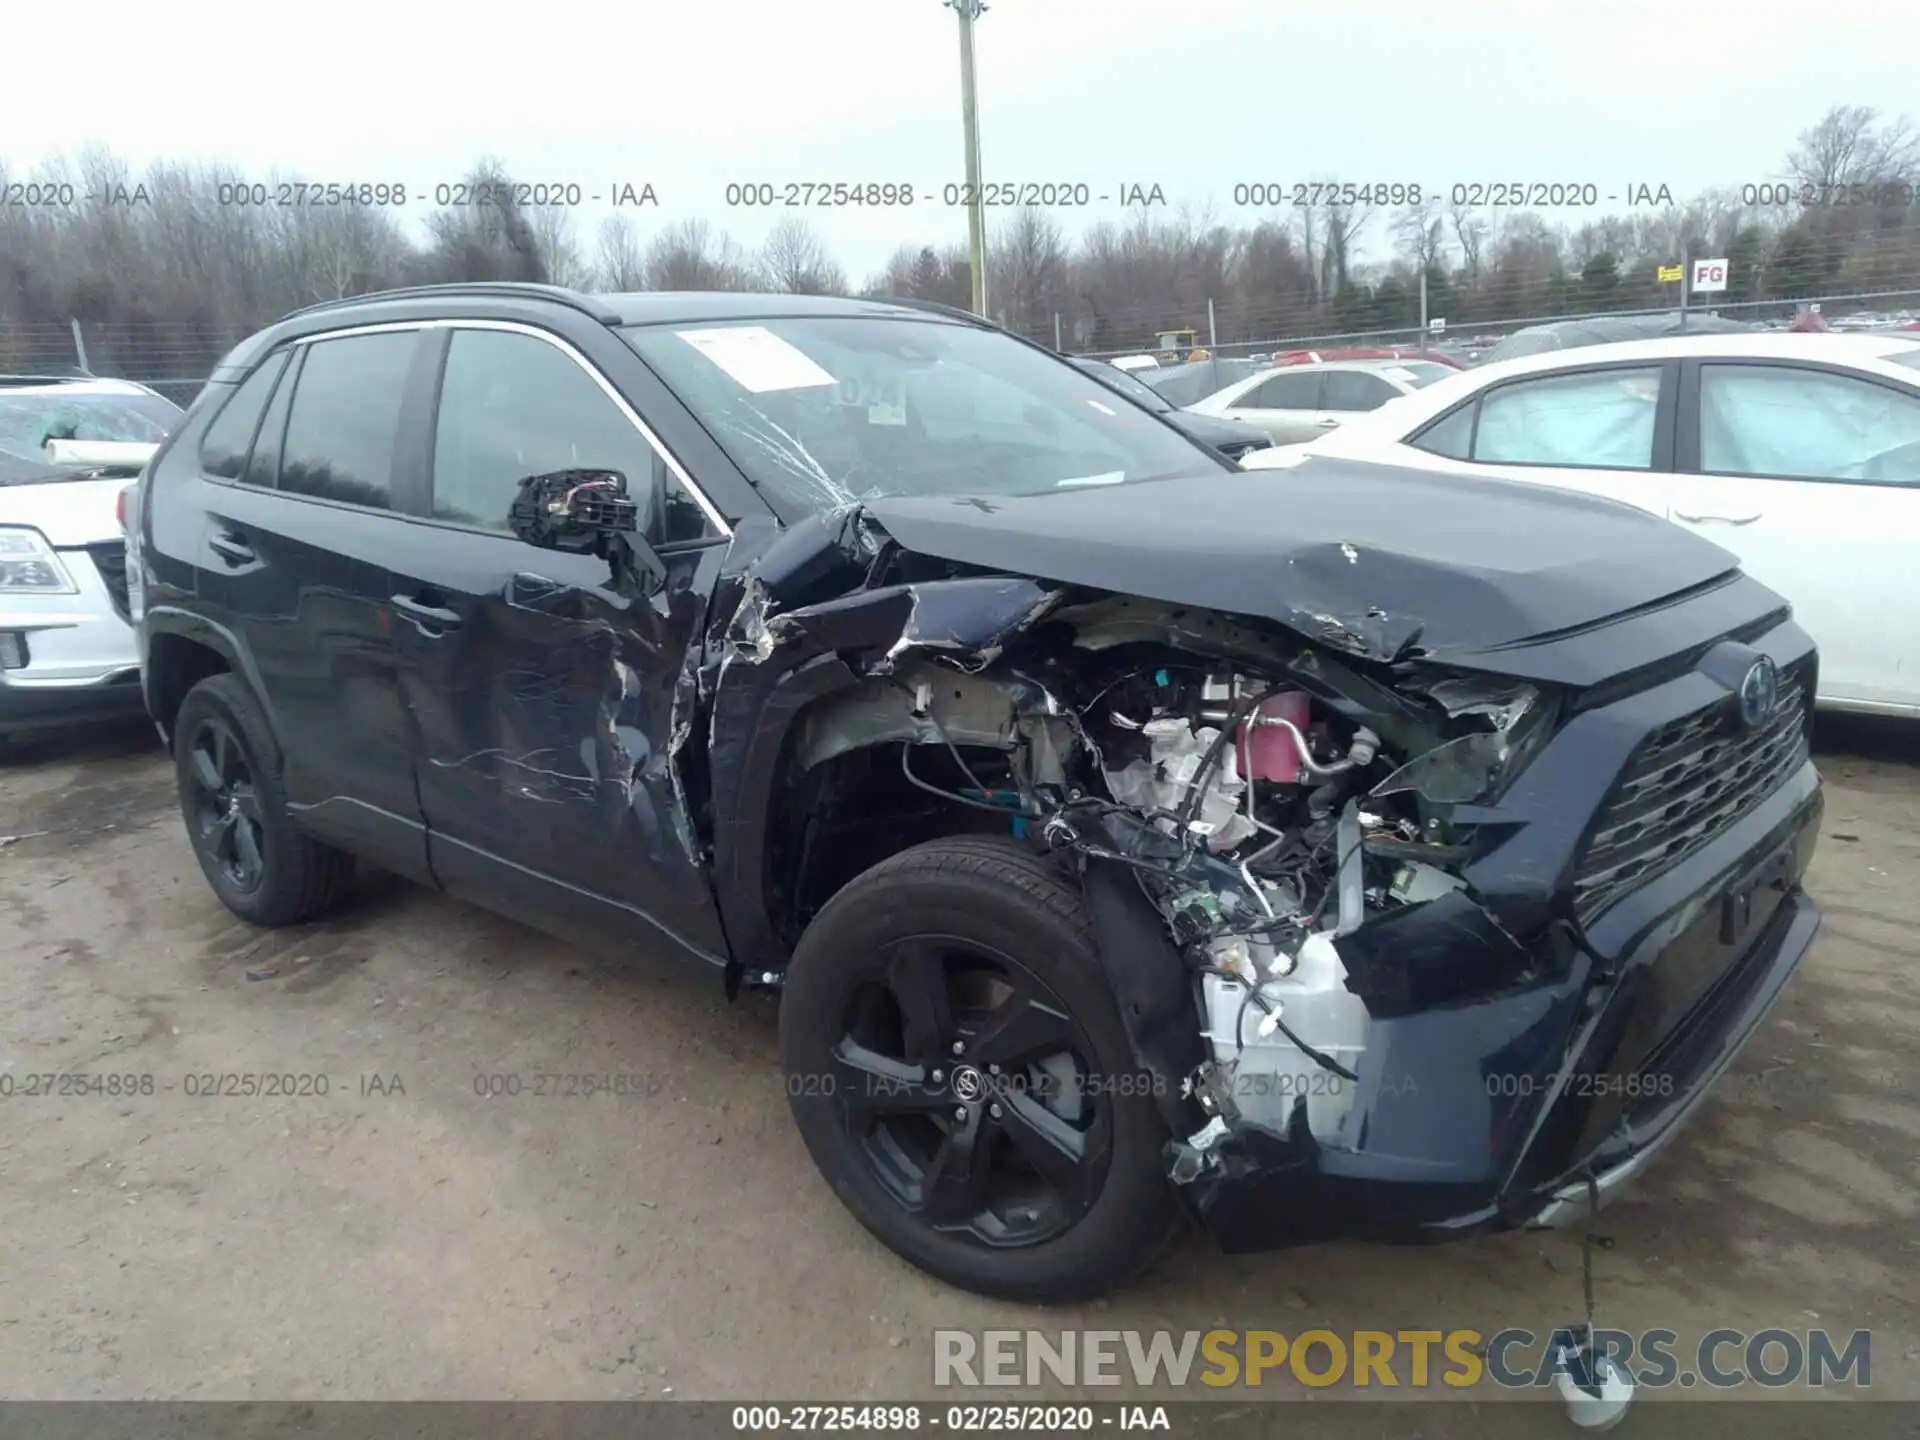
<point>1475,768</point>
<point>29,566</point>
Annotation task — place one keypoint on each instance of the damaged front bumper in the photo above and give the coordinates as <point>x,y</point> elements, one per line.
<point>1493,1115</point>
<point>1522,1105</point>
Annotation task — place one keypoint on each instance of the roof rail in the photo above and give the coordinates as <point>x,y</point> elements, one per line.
<point>478,289</point>
<point>954,311</point>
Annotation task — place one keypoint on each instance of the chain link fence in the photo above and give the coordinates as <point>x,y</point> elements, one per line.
<point>176,360</point>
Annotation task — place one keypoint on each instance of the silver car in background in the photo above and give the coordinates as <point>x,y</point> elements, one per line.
<point>1297,403</point>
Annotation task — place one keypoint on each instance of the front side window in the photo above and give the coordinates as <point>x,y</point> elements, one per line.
<point>822,411</point>
<point>1786,423</point>
<point>345,418</point>
<point>1598,419</point>
<point>512,406</point>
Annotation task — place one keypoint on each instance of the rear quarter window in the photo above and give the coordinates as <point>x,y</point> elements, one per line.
<point>229,436</point>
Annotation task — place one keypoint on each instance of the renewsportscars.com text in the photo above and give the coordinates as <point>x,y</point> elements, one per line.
<point>1513,1358</point>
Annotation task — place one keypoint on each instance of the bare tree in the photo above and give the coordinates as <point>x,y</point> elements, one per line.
<point>693,255</point>
<point>490,237</point>
<point>619,262</point>
<point>167,264</point>
<point>1027,272</point>
<point>1470,233</point>
<point>559,250</point>
<point>795,259</point>
<point>1852,144</point>
<point>1421,232</point>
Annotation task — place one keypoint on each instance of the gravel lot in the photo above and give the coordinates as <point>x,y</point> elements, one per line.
<point>416,1240</point>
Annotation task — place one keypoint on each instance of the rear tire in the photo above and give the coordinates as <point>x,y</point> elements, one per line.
<point>899,969</point>
<point>228,767</point>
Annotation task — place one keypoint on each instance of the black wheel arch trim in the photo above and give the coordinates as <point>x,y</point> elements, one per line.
<point>191,625</point>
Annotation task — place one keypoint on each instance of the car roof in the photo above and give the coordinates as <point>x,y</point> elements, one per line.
<point>1314,367</point>
<point>673,307</point>
<point>503,299</point>
<point>1757,344</point>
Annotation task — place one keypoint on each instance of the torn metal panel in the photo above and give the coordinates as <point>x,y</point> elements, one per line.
<point>968,620</point>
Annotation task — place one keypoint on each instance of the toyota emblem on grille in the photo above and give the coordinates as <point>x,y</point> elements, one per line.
<point>1759,694</point>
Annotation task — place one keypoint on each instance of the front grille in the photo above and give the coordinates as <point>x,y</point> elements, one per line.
<point>1689,781</point>
<point>110,559</point>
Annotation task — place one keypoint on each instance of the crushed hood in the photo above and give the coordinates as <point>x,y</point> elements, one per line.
<point>1377,560</point>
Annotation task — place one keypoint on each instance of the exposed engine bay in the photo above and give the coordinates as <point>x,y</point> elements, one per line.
<point>1269,796</point>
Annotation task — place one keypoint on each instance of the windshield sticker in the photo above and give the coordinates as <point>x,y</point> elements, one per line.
<point>1111,477</point>
<point>1103,409</point>
<point>757,358</point>
<point>882,396</point>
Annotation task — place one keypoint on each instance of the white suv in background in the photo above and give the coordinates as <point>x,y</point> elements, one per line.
<point>1799,453</point>
<point>69,448</point>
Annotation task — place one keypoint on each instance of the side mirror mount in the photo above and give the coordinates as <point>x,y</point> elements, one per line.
<point>588,512</point>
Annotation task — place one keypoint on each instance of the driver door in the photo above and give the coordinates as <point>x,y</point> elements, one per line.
<point>1812,477</point>
<point>543,695</point>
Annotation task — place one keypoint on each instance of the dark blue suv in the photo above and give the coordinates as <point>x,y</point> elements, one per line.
<point>1332,851</point>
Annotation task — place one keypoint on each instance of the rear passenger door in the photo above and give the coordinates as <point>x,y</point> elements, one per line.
<point>300,537</point>
<point>1346,393</point>
<point>546,700</point>
<point>1607,430</point>
<point>1286,406</point>
<point>1811,476</point>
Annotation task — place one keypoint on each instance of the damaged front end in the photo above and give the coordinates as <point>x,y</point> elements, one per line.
<point>1276,838</point>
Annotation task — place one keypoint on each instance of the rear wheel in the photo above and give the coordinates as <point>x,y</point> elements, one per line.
<point>958,1068</point>
<point>228,770</point>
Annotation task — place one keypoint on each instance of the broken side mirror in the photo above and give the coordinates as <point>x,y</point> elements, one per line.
<point>588,512</point>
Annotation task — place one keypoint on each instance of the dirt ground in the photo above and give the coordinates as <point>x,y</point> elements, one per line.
<point>412,1238</point>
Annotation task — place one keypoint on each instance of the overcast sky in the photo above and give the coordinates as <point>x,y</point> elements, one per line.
<point>1192,95</point>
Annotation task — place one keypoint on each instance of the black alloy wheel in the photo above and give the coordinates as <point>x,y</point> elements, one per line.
<point>967,1087</point>
<point>227,765</point>
<point>224,805</point>
<point>957,1064</point>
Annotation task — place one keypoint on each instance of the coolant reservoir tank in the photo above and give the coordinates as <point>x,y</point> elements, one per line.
<point>1269,751</point>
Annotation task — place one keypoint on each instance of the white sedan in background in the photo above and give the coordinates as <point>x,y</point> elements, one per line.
<point>1799,453</point>
<point>1294,403</point>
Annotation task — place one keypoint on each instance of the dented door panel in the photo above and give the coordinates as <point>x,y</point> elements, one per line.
<point>547,721</point>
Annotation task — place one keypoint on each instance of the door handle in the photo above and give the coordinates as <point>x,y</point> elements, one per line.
<point>1742,519</point>
<point>438,617</point>
<point>231,548</point>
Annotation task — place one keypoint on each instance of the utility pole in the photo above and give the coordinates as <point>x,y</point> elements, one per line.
<point>970,11</point>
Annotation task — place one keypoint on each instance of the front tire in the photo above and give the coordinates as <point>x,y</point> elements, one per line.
<point>227,767</point>
<point>958,1068</point>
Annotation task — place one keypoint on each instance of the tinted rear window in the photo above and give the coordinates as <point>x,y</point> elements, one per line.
<point>346,418</point>
<point>223,449</point>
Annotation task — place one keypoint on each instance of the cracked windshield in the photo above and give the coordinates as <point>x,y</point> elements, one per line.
<point>823,412</point>
<point>28,422</point>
